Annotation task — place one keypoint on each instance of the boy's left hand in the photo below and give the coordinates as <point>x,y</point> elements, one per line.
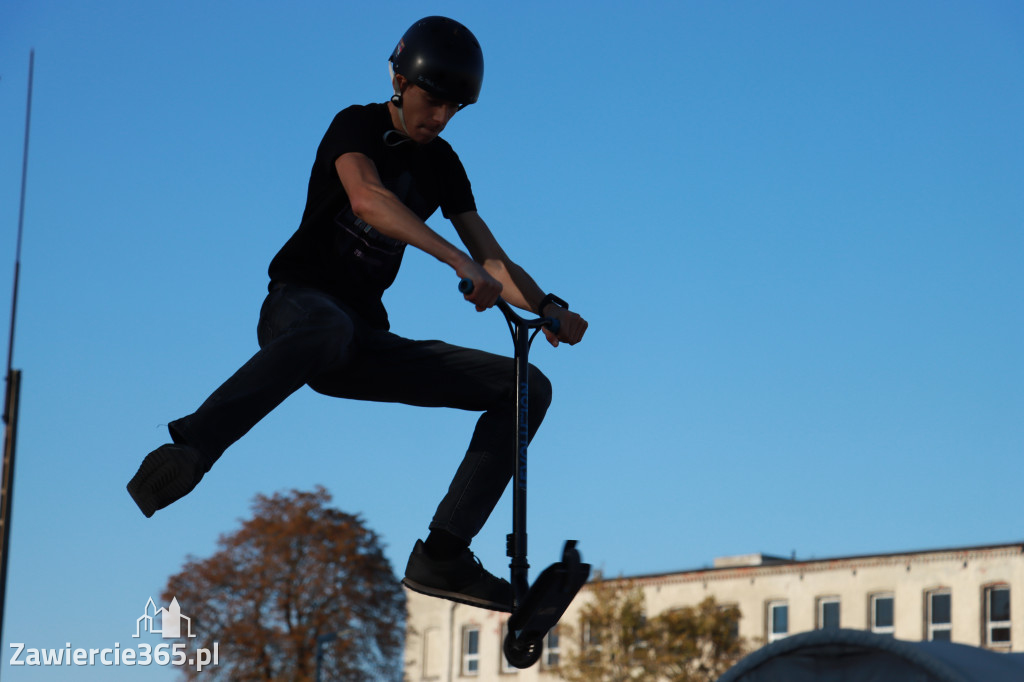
<point>571,329</point>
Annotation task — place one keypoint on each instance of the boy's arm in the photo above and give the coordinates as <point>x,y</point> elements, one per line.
<point>518,288</point>
<point>376,205</point>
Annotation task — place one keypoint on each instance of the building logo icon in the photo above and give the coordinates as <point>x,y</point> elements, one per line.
<point>166,622</point>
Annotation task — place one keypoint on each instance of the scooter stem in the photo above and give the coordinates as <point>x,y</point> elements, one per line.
<point>522,339</point>
<point>517,539</point>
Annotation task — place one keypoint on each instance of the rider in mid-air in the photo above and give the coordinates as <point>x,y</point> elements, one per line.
<point>380,171</point>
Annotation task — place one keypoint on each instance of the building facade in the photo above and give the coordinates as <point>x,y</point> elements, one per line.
<point>968,595</point>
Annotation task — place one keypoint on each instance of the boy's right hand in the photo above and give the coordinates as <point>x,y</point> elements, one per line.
<point>486,289</point>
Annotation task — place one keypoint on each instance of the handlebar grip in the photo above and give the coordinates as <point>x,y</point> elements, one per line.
<point>466,288</point>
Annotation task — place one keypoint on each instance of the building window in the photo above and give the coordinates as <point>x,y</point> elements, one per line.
<point>734,622</point>
<point>940,616</point>
<point>778,620</point>
<point>552,649</point>
<point>505,666</point>
<point>828,613</point>
<point>997,616</point>
<point>591,637</point>
<point>882,613</point>
<point>471,650</point>
<point>433,652</point>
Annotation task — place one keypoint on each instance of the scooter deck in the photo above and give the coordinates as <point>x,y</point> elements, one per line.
<point>548,598</point>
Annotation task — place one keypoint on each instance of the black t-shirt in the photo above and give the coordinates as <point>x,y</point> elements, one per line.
<point>336,252</point>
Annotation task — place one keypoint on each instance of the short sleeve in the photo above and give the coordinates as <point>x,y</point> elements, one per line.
<point>457,193</point>
<point>350,131</point>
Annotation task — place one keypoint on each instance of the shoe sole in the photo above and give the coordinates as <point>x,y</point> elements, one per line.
<point>456,596</point>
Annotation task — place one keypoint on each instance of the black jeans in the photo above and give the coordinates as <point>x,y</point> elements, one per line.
<point>309,337</point>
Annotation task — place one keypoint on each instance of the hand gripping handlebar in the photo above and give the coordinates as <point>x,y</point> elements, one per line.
<point>466,288</point>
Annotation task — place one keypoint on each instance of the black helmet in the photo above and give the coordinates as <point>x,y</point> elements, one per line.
<point>441,56</point>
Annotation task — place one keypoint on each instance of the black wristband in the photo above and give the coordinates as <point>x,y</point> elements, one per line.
<point>550,298</point>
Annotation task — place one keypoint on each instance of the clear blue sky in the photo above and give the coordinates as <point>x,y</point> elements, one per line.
<point>796,229</point>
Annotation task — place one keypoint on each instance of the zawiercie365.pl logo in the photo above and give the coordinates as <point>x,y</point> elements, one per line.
<point>167,622</point>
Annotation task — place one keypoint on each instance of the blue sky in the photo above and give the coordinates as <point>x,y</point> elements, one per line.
<point>796,229</point>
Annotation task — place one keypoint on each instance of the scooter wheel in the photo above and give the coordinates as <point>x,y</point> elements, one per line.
<point>524,651</point>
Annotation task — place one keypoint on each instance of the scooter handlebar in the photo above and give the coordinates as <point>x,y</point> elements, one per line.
<point>466,288</point>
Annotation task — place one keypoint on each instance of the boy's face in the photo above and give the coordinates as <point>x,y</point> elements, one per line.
<point>426,115</point>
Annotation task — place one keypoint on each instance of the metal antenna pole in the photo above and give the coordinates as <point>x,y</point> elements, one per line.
<point>10,415</point>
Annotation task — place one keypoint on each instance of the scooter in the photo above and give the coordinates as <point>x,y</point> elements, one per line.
<point>537,608</point>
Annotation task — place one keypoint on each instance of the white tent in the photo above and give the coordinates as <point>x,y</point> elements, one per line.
<point>859,656</point>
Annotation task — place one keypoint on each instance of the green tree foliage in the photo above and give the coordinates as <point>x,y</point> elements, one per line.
<point>298,569</point>
<point>694,643</point>
<point>611,647</point>
<point>619,643</point>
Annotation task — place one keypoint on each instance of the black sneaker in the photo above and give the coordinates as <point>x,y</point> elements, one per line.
<point>167,474</point>
<point>462,579</point>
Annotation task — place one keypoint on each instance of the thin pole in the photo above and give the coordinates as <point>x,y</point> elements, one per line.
<point>13,391</point>
<point>21,209</point>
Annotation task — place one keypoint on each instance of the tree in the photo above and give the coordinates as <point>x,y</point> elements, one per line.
<point>297,570</point>
<point>694,643</point>
<point>620,644</point>
<point>612,647</point>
